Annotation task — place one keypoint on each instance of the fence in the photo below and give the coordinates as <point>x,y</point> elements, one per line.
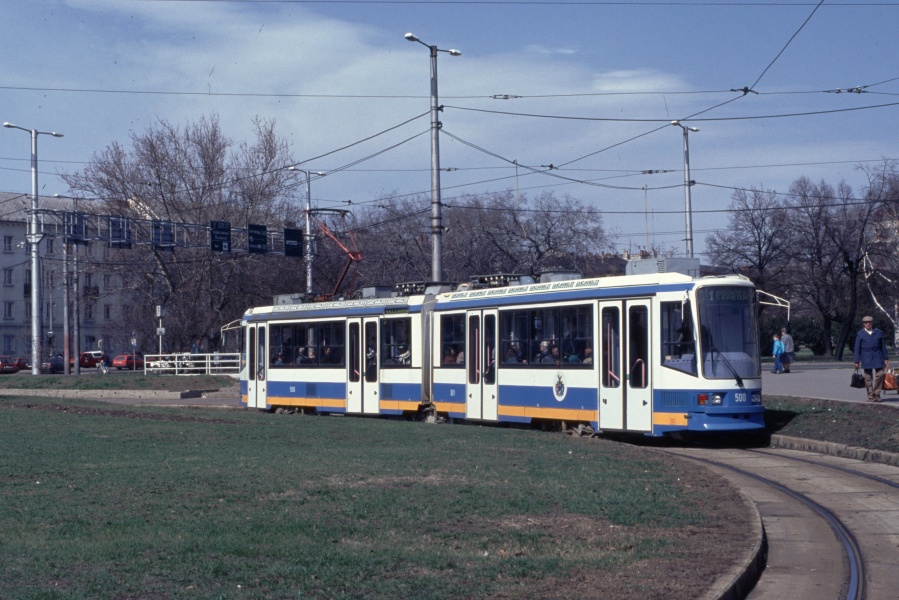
<point>217,363</point>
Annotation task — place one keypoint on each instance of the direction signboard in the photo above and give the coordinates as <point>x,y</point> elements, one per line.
<point>220,236</point>
<point>293,242</point>
<point>257,239</point>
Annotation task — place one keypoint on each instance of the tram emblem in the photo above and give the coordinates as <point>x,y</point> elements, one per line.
<point>559,388</point>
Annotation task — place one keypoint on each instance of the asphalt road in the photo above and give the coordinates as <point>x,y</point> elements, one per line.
<point>829,381</point>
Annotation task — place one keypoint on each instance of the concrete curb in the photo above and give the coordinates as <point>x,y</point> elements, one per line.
<point>834,449</point>
<point>739,581</point>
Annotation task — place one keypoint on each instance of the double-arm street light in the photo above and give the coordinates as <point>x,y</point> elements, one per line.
<point>436,219</point>
<point>34,238</point>
<point>688,183</point>
<point>309,257</point>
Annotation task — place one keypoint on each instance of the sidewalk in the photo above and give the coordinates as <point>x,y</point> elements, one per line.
<point>827,381</point>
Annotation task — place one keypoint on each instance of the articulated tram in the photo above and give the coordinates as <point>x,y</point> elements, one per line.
<point>653,354</point>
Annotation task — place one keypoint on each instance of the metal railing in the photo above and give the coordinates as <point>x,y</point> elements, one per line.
<point>185,363</point>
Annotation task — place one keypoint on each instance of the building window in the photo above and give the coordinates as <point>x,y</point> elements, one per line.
<point>9,344</point>
<point>87,280</point>
<point>50,245</point>
<point>90,341</point>
<point>107,311</point>
<point>28,277</point>
<point>28,313</point>
<point>107,282</point>
<point>7,276</point>
<point>89,312</point>
<point>8,309</point>
<point>7,243</point>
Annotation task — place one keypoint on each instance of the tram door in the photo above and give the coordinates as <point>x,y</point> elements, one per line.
<point>639,390</point>
<point>257,366</point>
<point>480,365</point>
<point>625,393</point>
<point>611,391</point>
<point>363,367</point>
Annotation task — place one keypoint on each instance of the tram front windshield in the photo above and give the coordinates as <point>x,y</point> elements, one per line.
<point>728,328</point>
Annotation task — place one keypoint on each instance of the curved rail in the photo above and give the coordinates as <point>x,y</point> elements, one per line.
<point>851,550</point>
<point>818,463</point>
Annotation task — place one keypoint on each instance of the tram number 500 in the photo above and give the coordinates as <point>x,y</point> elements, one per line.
<point>740,397</point>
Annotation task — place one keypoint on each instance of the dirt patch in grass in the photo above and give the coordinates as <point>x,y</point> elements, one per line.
<point>123,414</point>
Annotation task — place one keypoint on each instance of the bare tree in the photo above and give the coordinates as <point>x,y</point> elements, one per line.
<point>758,239</point>
<point>194,175</point>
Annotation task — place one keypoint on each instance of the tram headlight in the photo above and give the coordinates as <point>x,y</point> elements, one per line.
<point>717,399</point>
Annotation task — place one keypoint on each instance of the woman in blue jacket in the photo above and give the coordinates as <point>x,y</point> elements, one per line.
<point>871,355</point>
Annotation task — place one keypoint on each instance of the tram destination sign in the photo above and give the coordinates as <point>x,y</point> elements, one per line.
<point>257,239</point>
<point>220,236</point>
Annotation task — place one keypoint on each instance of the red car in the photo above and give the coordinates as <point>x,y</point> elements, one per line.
<point>90,359</point>
<point>21,363</point>
<point>8,365</point>
<point>128,361</point>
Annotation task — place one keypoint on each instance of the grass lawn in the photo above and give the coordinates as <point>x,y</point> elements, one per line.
<point>101,502</point>
<point>852,423</point>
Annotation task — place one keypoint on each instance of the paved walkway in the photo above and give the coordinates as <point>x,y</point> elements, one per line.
<point>828,381</point>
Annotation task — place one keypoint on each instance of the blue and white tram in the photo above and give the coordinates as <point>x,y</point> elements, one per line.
<point>653,354</point>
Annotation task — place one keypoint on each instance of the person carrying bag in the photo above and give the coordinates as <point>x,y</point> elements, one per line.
<point>872,357</point>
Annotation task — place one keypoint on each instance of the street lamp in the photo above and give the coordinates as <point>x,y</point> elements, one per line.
<point>436,224</point>
<point>309,175</point>
<point>34,238</point>
<point>688,183</point>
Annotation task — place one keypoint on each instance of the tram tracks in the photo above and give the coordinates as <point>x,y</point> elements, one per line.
<point>832,524</point>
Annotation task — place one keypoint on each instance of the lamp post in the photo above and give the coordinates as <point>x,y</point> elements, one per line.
<point>688,183</point>
<point>34,239</point>
<point>308,223</point>
<point>436,222</point>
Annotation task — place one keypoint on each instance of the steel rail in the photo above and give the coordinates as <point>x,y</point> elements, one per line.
<point>851,551</point>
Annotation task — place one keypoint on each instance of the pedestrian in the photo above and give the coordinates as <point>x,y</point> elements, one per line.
<point>872,357</point>
<point>777,353</point>
<point>789,356</point>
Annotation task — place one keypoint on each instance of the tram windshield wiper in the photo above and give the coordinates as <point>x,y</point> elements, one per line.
<point>730,367</point>
<point>713,350</point>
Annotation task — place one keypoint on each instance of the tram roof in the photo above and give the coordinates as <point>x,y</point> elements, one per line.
<point>624,285</point>
<point>344,308</point>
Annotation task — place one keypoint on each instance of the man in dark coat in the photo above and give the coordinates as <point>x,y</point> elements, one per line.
<point>871,355</point>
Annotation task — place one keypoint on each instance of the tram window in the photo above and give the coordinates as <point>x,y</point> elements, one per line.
<point>332,350</point>
<point>371,352</point>
<point>355,366</point>
<point>638,345</point>
<point>307,345</point>
<point>678,346</point>
<point>552,337</point>
<point>489,349</point>
<point>396,347</point>
<point>452,340</point>
<point>611,347</point>
<point>306,350</point>
<point>282,345</point>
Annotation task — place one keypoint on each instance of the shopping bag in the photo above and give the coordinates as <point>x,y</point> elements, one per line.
<point>858,380</point>
<point>889,381</point>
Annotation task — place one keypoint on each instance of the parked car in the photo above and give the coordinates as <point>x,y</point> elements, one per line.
<point>128,361</point>
<point>90,359</point>
<point>53,364</point>
<point>22,363</point>
<point>8,365</point>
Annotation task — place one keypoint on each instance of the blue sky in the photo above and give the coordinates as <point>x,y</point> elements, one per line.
<point>333,73</point>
